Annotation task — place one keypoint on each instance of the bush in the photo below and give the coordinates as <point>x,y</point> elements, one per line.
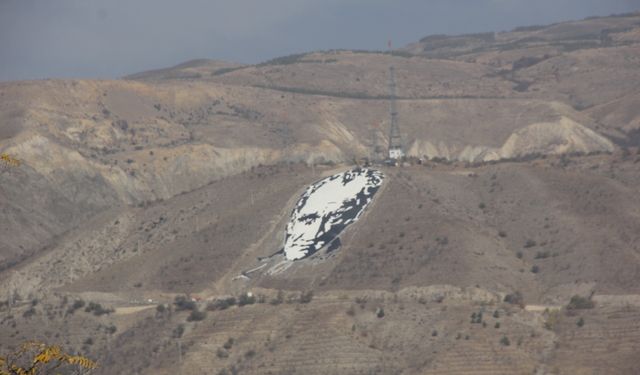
<point>97,309</point>
<point>77,304</point>
<point>580,303</point>
<point>221,353</point>
<point>178,331</point>
<point>542,255</point>
<point>246,299</point>
<point>529,243</point>
<point>279,298</point>
<point>183,303</point>
<point>580,322</point>
<point>111,329</point>
<point>222,304</point>
<point>229,343</point>
<point>505,341</point>
<point>514,298</point>
<point>306,297</point>
<point>196,316</point>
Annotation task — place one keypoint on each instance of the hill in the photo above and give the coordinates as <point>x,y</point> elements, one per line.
<point>160,195</point>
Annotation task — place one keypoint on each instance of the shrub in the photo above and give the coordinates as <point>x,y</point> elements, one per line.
<point>97,309</point>
<point>221,353</point>
<point>505,341</point>
<point>183,303</point>
<point>529,243</point>
<point>306,297</point>
<point>552,320</point>
<point>29,313</point>
<point>380,312</point>
<point>580,322</point>
<point>111,329</point>
<point>535,269</point>
<point>178,331</point>
<point>77,304</point>
<point>514,298</point>
<point>229,343</point>
<point>246,299</point>
<point>222,304</point>
<point>196,316</point>
<point>279,298</point>
<point>542,255</point>
<point>580,303</point>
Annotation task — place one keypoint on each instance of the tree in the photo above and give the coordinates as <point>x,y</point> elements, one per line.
<point>35,358</point>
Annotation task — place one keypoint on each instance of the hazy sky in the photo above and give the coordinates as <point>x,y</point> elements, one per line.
<point>111,38</point>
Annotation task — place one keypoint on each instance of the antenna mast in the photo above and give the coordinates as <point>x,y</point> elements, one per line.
<point>396,150</point>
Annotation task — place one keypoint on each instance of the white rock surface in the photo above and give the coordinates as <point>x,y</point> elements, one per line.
<point>326,208</point>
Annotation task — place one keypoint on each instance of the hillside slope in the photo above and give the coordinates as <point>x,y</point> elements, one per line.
<point>163,194</point>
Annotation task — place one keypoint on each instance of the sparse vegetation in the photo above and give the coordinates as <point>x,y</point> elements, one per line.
<point>246,299</point>
<point>580,303</point>
<point>97,309</point>
<point>505,341</point>
<point>196,316</point>
<point>306,297</point>
<point>514,298</point>
<point>229,343</point>
<point>184,303</point>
